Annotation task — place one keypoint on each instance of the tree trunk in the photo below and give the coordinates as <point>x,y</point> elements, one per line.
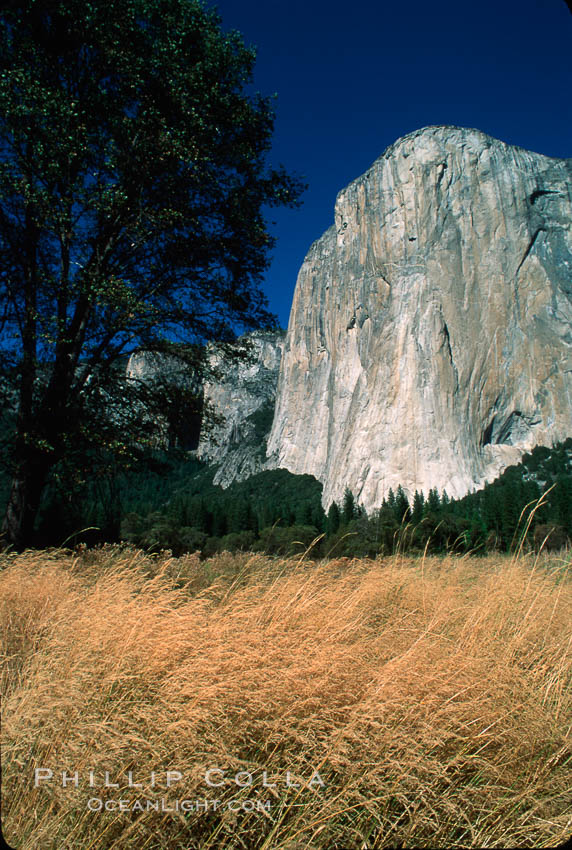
<point>25,493</point>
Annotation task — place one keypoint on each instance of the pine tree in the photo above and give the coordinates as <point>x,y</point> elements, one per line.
<point>349,506</point>
<point>391,504</point>
<point>319,519</point>
<point>418,502</point>
<point>433,503</point>
<point>334,519</point>
<point>402,509</point>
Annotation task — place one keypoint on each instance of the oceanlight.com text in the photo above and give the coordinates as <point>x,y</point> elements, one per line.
<point>97,804</point>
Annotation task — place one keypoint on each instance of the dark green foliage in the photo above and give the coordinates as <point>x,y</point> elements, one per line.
<point>160,504</point>
<point>499,512</point>
<point>562,501</point>
<point>433,502</point>
<point>133,188</point>
<point>262,420</point>
<point>242,541</point>
<point>402,509</point>
<point>170,502</point>
<point>391,502</point>
<point>550,537</point>
<point>286,541</point>
<point>492,518</point>
<point>418,503</point>
<point>359,538</point>
<point>349,510</point>
<point>319,519</point>
<point>334,519</point>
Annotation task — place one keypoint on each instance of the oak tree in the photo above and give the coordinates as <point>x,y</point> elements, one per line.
<point>134,184</point>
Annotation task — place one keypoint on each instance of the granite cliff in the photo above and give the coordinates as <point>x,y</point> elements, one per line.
<point>430,338</point>
<point>243,398</point>
<point>159,381</point>
<point>235,392</point>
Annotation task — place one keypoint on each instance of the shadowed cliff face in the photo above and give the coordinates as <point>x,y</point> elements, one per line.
<point>430,339</point>
<point>243,398</point>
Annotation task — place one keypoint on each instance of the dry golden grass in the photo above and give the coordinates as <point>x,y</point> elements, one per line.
<point>433,696</point>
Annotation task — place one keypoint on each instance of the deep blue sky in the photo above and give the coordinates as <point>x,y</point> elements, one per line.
<point>354,76</point>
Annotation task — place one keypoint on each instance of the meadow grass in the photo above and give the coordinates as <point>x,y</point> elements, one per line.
<point>432,695</point>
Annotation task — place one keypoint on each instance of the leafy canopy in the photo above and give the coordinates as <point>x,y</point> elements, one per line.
<point>132,177</point>
<point>133,188</point>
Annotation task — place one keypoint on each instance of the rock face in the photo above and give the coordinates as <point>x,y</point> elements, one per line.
<point>170,377</point>
<point>430,338</point>
<point>150,366</point>
<point>232,419</point>
<point>244,397</point>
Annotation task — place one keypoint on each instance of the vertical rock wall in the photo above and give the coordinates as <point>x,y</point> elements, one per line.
<point>430,338</point>
<point>243,398</point>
